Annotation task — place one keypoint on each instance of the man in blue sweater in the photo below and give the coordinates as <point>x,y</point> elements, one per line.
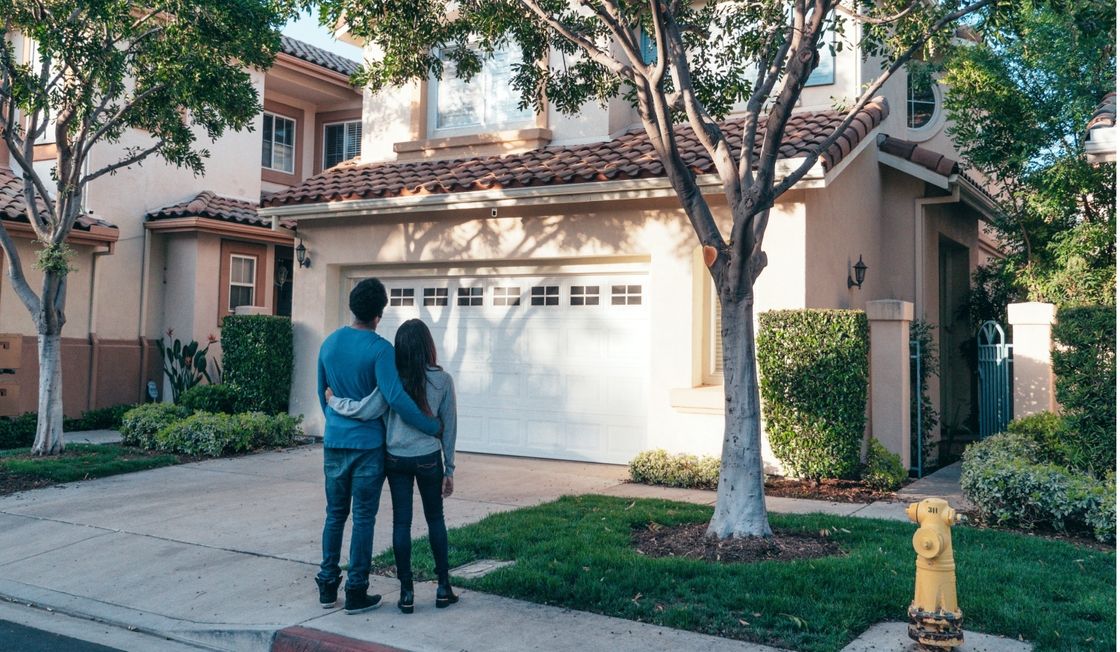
<point>353,361</point>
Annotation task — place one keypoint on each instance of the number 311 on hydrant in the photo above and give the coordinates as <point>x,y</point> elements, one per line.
<point>935,618</point>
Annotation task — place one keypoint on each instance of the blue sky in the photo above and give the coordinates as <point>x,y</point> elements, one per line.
<point>308,30</point>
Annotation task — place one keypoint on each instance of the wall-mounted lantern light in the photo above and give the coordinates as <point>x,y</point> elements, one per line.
<point>860,270</point>
<point>301,255</point>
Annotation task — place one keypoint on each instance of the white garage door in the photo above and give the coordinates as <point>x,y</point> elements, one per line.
<point>544,366</point>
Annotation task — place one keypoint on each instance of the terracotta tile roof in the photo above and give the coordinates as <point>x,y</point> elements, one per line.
<point>317,56</point>
<point>12,206</point>
<point>630,156</point>
<point>212,206</point>
<point>1105,115</point>
<point>915,153</point>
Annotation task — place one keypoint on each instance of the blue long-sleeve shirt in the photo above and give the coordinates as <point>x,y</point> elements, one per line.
<point>353,362</point>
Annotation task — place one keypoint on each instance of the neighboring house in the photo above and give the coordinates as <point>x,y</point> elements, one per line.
<point>563,283</point>
<point>1100,136</point>
<point>185,251</point>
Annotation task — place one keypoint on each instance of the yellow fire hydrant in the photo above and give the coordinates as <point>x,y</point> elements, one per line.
<point>935,618</point>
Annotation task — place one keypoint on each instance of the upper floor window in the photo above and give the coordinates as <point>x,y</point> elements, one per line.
<point>921,102</point>
<point>341,142</point>
<point>278,146</point>
<point>487,102</point>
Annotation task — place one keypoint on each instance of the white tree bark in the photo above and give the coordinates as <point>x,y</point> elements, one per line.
<point>740,498</point>
<point>48,432</point>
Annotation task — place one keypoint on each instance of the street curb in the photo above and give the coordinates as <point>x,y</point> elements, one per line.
<point>306,639</point>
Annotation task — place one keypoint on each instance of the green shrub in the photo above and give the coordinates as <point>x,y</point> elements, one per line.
<point>1008,479</point>
<point>99,419</point>
<point>1085,373</point>
<point>813,372</point>
<point>213,435</point>
<point>659,467</point>
<point>210,398</point>
<point>140,424</point>
<point>17,432</point>
<point>884,470</point>
<point>257,361</point>
<point>1048,430</point>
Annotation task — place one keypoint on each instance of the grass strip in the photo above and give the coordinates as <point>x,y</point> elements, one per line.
<point>576,552</point>
<point>81,462</point>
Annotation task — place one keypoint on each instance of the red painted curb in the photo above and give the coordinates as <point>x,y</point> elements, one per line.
<point>305,639</point>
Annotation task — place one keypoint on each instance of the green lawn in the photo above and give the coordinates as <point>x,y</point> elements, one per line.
<point>576,553</point>
<point>80,462</point>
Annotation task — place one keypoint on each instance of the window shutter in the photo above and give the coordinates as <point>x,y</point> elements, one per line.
<point>717,338</point>
<point>353,139</point>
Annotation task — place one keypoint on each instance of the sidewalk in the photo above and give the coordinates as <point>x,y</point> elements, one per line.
<point>222,554</point>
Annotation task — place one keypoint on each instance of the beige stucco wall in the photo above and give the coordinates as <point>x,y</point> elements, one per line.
<point>14,317</point>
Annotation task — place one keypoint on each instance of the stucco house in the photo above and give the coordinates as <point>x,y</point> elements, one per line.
<point>562,281</point>
<point>162,249</point>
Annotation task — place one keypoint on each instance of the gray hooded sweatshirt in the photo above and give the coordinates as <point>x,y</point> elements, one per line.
<point>401,439</point>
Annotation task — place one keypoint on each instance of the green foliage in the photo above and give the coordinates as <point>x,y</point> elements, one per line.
<point>213,435</point>
<point>54,258</point>
<point>109,418</point>
<point>140,424</point>
<point>82,462</point>
<point>210,398</point>
<point>813,367</point>
<point>884,470</point>
<point>1085,370</point>
<point>1048,431</point>
<point>922,332</point>
<point>659,467</point>
<point>1012,484</point>
<point>577,552</point>
<point>185,365</point>
<point>1020,102</point>
<point>257,355</point>
<point>17,432</point>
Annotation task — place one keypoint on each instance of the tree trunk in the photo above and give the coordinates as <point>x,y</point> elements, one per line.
<point>740,499</point>
<point>48,432</point>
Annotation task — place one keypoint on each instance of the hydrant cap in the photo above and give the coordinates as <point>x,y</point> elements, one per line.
<point>927,543</point>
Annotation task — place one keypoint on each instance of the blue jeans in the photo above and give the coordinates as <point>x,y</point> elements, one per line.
<point>351,475</point>
<point>427,470</point>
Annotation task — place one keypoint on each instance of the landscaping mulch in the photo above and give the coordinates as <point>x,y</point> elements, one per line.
<point>691,541</point>
<point>837,491</point>
<point>13,484</point>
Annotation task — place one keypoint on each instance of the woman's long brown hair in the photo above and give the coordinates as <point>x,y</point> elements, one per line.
<point>415,352</point>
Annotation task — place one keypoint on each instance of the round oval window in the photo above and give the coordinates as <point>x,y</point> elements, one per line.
<point>921,103</point>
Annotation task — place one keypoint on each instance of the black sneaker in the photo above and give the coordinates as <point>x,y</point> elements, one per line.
<point>358,602</point>
<point>328,591</point>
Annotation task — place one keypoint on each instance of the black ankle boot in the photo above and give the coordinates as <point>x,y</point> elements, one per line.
<point>328,592</point>
<point>358,602</point>
<point>445,597</point>
<point>406,599</point>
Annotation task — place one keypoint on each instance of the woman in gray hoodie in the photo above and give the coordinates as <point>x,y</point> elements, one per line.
<point>412,455</point>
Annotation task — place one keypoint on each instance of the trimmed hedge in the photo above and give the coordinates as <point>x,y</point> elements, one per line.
<point>1012,484</point>
<point>257,361</point>
<point>813,373</point>
<point>213,435</point>
<point>1085,373</point>
<point>659,467</point>
<point>211,398</point>
<point>17,432</point>
<point>884,470</point>
<point>109,418</point>
<point>140,424</point>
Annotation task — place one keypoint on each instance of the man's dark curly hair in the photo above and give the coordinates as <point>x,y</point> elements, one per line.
<point>368,300</point>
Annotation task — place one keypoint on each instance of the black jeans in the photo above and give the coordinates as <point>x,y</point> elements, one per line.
<point>427,470</point>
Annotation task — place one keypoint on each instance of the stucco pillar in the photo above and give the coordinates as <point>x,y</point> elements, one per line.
<point>889,321</point>
<point>1033,383</point>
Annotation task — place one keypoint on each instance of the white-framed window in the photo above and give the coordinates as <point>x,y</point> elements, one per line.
<point>626,295</point>
<point>342,141</point>
<point>402,297</point>
<point>469,296</point>
<point>921,102</point>
<point>825,72</point>
<point>487,102</point>
<point>278,143</point>
<point>34,61</point>
<point>242,281</point>
<point>507,296</point>
<point>545,295</point>
<point>435,296</point>
<point>585,295</point>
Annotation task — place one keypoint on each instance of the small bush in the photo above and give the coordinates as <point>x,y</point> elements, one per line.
<point>1048,430</point>
<point>659,467</point>
<point>100,419</point>
<point>140,424</point>
<point>813,372</point>
<point>257,361</point>
<point>1011,484</point>
<point>1085,384</point>
<point>17,432</point>
<point>884,470</point>
<point>213,435</point>
<point>210,398</point>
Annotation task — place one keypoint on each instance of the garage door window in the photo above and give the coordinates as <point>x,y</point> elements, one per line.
<point>470,296</point>
<point>402,297</point>
<point>507,296</point>
<point>548,295</point>
<point>626,295</point>
<point>435,296</point>
<point>585,295</point>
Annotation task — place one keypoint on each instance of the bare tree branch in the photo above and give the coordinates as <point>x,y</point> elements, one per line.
<point>764,85</point>
<point>15,272</point>
<point>597,55</point>
<point>124,162</point>
<point>868,20</point>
